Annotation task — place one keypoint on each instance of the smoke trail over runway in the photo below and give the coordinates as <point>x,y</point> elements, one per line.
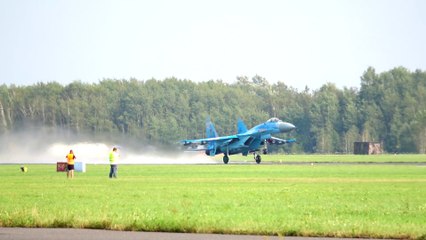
<point>97,153</point>
<point>38,147</point>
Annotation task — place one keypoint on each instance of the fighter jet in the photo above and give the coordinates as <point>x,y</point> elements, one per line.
<point>244,142</point>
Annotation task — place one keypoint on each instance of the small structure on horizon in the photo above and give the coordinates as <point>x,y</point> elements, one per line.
<point>367,148</point>
<point>61,166</point>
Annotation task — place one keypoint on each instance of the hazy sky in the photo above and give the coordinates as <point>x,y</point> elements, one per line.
<point>301,42</point>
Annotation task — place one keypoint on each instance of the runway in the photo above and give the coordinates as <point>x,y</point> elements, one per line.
<point>96,234</point>
<point>321,163</point>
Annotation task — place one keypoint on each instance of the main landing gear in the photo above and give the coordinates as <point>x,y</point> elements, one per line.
<point>257,158</point>
<point>225,159</point>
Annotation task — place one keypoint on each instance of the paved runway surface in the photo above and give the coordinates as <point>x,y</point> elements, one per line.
<point>95,234</point>
<point>324,163</point>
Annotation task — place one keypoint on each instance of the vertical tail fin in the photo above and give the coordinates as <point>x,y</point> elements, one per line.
<point>242,128</point>
<point>211,133</point>
<point>210,130</point>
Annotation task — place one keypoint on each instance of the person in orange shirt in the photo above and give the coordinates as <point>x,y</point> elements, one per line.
<point>70,158</point>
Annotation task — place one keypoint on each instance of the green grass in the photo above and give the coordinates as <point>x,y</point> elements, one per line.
<point>376,201</point>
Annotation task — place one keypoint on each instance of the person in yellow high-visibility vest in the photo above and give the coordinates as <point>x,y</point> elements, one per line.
<point>113,157</point>
<point>70,160</point>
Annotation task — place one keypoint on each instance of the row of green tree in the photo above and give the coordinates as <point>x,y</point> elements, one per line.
<point>389,107</point>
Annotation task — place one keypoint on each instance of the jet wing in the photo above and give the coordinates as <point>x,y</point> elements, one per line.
<point>204,141</point>
<point>279,141</point>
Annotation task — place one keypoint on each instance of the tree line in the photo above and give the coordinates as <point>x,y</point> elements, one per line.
<point>389,108</point>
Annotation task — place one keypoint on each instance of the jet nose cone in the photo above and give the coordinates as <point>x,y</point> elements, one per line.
<point>286,127</point>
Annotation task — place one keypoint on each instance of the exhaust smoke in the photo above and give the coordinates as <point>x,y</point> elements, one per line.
<point>41,148</point>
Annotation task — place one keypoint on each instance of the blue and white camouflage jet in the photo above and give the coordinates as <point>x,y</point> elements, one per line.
<point>244,142</point>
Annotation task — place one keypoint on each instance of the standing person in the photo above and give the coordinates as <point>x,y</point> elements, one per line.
<point>113,156</point>
<point>70,160</point>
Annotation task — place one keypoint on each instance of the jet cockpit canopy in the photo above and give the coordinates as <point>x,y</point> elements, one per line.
<point>274,119</point>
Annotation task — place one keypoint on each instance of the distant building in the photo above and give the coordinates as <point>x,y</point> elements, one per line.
<point>368,148</point>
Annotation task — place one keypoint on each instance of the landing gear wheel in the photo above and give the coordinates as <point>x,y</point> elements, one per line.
<point>257,158</point>
<point>265,151</point>
<point>225,159</point>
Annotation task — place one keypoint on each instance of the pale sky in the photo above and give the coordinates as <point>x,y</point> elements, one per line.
<point>299,42</point>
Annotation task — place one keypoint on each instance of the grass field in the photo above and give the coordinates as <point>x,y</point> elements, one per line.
<point>376,201</point>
